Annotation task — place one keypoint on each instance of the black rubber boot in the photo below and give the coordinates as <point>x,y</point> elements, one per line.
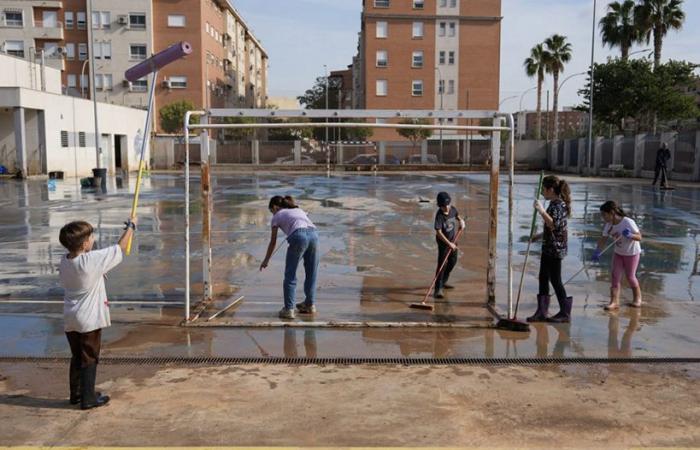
<point>542,309</point>
<point>74,381</point>
<point>88,397</point>
<point>564,314</point>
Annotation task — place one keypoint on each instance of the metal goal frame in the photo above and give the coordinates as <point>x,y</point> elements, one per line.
<point>205,125</point>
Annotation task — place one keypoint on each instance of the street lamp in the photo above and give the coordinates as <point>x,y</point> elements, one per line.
<point>328,147</point>
<point>567,79</point>
<point>506,99</point>
<point>639,51</point>
<point>520,110</point>
<point>441,88</point>
<point>590,91</point>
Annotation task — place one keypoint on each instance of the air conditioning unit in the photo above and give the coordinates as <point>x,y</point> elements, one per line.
<point>123,20</point>
<point>61,50</point>
<point>126,84</point>
<point>167,84</point>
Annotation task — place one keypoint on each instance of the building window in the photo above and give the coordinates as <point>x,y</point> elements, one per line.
<point>418,4</point>
<point>81,19</point>
<point>451,87</point>
<point>84,82</point>
<point>137,51</point>
<point>107,50</point>
<point>106,20</point>
<point>14,19</point>
<point>443,3</point>
<point>107,79</point>
<point>15,48</point>
<point>81,139</point>
<point>417,59</point>
<point>176,21</point>
<point>453,29</point>
<point>97,48</point>
<point>382,58</point>
<point>417,30</point>
<point>417,88</point>
<point>72,81</point>
<point>140,85</point>
<point>382,3</point>
<point>382,88</point>
<point>441,59</point>
<point>453,3</point>
<point>178,82</point>
<point>443,29</point>
<point>382,30</point>
<point>82,52</point>
<point>441,87</point>
<point>98,81</point>
<point>451,59</point>
<point>68,19</point>
<point>101,19</point>
<point>137,21</point>
<point>64,136</point>
<point>50,49</point>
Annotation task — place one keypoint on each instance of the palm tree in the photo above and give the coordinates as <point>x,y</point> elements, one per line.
<point>656,18</point>
<point>557,54</point>
<point>619,28</point>
<point>536,65</point>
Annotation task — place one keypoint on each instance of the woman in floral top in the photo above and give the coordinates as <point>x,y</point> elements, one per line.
<point>554,248</point>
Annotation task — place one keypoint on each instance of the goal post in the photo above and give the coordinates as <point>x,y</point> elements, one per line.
<point>205,125</point>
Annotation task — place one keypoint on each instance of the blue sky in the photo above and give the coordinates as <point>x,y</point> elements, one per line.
<point>303,35</point>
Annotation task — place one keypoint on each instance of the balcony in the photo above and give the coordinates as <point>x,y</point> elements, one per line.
<point>48,30</point>
<point>46,4</point>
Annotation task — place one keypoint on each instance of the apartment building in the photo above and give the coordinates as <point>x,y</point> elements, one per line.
<point>429,54</point>
<point>228,66</point>
<point>572,123</point>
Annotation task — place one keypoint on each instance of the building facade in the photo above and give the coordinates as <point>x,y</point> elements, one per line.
<point>572,123</point>
<point>429,54</point>
<point>228,66</point>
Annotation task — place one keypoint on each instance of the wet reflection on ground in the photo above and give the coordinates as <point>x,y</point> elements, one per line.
<point>377,256</point>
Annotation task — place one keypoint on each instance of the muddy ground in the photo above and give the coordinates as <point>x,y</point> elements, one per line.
<point>276,405</point>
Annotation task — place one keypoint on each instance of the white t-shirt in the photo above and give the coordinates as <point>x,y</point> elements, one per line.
<point>85,305</point>
<point>625,246</point>
<point>290,220</point>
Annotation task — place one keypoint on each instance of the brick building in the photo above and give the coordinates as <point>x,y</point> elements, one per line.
<point>572,123</point>
<point>428,54</point>
<point>228,66</point>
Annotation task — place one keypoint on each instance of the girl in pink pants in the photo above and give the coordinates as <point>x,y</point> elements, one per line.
<point>627,252</point>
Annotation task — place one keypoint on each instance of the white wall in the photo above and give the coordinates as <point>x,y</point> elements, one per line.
<point>75,115</point>
<point>16,72</point>
<point>8,155</point>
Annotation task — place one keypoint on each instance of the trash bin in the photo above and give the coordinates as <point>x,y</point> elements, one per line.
<point>100,176</point>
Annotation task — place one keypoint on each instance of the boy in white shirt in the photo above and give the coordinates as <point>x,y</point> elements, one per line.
<point>85,305</point>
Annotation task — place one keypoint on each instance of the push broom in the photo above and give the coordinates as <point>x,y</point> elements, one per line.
<point>423,305</point>
<point>512,323</point>
<point>151,65</point>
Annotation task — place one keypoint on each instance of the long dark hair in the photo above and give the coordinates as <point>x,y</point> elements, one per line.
<point>611,207</point>
<point>286,202</point>
<point>561,188</point>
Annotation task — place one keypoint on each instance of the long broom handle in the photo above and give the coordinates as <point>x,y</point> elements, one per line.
<point>586,266</point>
<point>144,142</point>
<point>442,266</point>
<point>529,244</point>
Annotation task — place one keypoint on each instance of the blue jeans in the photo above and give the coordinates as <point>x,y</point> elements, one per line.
<point>303,243</point>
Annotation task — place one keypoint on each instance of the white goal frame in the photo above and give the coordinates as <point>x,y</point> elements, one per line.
<point>204,125</point>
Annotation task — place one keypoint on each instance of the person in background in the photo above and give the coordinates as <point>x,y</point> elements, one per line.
<point>662,157</point>
<point>447,223</point>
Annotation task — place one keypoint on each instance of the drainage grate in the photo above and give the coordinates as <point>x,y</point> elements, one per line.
<point>232,361</point>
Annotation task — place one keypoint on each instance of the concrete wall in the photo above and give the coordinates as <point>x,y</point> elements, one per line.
<point>75,116</point>
<point>17,72</point>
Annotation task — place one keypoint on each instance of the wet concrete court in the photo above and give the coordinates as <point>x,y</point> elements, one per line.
<point>378,255</point>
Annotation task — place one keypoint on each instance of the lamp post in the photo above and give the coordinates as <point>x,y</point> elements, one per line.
<point>328,147</point>
<point>567,79</point>
<point>520,110</point>
<point>441,88</point>
<point>590,100</point>
<point>506,99</point>
<point>93,75</point>
<point>82,75</point>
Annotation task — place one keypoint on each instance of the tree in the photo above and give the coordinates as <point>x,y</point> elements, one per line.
<point>618,28</point>
<point>535,65</point>
<point>633,89</point>
<point>238,134</point>
<point>558,53</point>
<point>655,18</point>
<point>415,134</point>
<point>315,98</point>
<point>172,116</point>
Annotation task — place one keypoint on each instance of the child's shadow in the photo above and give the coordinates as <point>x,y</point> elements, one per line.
<point>35,402</point>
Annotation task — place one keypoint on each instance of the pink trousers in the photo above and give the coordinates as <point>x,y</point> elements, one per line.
<point>628,266</point>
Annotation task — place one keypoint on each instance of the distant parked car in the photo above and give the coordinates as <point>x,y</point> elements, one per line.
<point>289,160</point>
<point>416,159</point>
<point>367,159</point>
